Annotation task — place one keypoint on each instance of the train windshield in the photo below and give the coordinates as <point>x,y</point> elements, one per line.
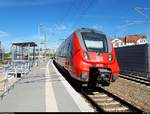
<point>95,42</point>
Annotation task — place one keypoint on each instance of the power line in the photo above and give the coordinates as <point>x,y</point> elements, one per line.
<point>143,8</point>
<point>136,21</point>
<point>139,10</point>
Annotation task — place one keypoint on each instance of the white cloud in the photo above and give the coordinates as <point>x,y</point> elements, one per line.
<point>7,3</point>
<point>59,30</point>
<point>3,34</point>
<point>98,27</point>
<point>55,33</point>
<point>61,27</point>
<point>122,31</point>
<point>29,38</point>
<point>124,26</point>
<point>10,3</point>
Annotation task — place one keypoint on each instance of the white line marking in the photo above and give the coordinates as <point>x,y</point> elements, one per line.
<point>81,103</point>
<point>51,105</point>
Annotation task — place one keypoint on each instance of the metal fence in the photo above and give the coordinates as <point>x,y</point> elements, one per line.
<point>21,67</point>
<point>6,82</point>
<point>10,72</point>
<point>134,60</point>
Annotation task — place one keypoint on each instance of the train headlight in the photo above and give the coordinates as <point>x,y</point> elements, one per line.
<point>110,57</point>
<point>86,56</point>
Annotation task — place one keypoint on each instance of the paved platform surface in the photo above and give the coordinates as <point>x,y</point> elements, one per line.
<point>44,90</point>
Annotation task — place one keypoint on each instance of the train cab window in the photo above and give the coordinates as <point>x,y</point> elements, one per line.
<point>95,42</point>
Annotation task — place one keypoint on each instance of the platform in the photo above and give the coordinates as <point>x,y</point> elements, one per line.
<point>44,89</point>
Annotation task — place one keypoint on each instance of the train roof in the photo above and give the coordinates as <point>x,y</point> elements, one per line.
<point>88,30</point>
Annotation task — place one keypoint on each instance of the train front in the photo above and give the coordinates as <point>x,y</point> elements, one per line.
<point>94,57</point>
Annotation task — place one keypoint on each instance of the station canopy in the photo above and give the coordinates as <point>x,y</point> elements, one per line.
<point>25,44</point>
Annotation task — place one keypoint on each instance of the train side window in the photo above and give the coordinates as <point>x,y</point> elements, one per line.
<point>59,52</point>
<point>70,48</point>
<point>66,48</point>
<point>62,50</point>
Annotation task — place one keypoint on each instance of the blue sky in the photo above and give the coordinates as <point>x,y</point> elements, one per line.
<point>20,19</point>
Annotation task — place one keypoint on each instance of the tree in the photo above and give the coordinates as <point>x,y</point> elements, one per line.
<point>7,56</point>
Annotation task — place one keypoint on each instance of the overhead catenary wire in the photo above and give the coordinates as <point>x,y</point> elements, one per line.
<point>139,10</point>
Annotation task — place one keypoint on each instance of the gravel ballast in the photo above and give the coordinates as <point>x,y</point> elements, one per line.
<point>133,92</point>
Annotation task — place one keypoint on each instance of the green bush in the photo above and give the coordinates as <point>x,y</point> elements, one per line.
<point>7,56</point>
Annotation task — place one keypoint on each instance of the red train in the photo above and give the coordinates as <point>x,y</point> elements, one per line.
<point>89,57</point>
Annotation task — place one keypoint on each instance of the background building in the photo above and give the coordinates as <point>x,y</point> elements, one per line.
<point>129,40</point>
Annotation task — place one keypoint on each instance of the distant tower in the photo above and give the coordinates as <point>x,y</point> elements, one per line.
<point>43,38</point>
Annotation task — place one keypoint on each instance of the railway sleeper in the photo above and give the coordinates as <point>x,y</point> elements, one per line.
<point>99,96</point>
<point>103,99</point>
<point>109,103</point>
<point>117,109</point>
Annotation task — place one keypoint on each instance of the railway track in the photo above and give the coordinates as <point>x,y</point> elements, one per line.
<point>135,78</point>
<point>105,101</point>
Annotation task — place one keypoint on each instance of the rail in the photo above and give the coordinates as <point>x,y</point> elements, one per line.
<point>105,101</point>
<point>135,78</point>
<point>140,73</point>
